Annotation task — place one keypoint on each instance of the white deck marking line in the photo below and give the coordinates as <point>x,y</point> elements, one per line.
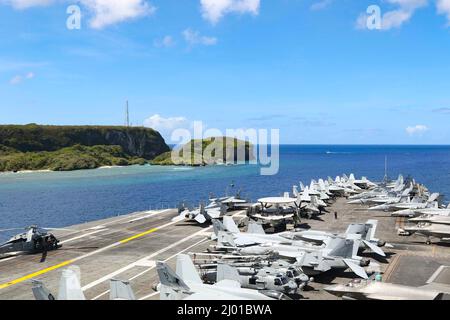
<point>83,235</point>
<point>144,217</point>
<point>128,216</point>
<point>132,265</point>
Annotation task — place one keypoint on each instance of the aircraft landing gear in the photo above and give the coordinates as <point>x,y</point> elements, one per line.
<point>428,241</point>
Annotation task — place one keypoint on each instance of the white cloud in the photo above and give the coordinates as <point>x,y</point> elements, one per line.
<point>194,38</point>
<point>443,7</point>
<point>109,12</point>
<point>419,129</point>
<point>394,18</point>
<point>165,42</point>
<point>214,10</point>
<point>166,126</point>
<point>25,4</point>
<point>17,79</point>
<point>105,12</point>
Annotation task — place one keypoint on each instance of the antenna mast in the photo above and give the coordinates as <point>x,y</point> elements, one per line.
<point>127,116</point>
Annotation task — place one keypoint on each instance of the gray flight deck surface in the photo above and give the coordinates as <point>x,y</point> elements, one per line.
<point>127,247</point>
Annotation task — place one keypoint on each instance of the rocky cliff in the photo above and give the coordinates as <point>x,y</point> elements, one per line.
<point>135,141</point>
<point>64,148</point>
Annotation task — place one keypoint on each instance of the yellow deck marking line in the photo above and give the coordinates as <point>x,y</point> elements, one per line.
<point>38,273</point>
<point>140,235</point>
<point>65,263</point>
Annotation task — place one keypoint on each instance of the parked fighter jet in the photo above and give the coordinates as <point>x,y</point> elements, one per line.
<point>34,240</point>
<point>264,270</point>
<point>185,284</point>
<point>70,288</point>
<point>362,232</point>
<point>257,279</point>
<point>433,219</point>
<point>374,290</point>
<point>334,253</point>
<point>415,203</point>
<point>418,212</point>
<point>429,230</point>
<point>203,214</point>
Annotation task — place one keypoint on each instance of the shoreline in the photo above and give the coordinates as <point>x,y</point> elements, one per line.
<point>48,170</point>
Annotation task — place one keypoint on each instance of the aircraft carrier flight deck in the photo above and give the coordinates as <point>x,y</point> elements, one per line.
<point>128,247</point>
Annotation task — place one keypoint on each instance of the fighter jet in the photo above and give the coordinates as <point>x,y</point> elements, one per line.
<point>185,284</point>
<point>362,232</point>
<point>416,203</point>
<point>433,219</point>
<point>363,183</point>
<point>34,240</point>
<point>257,279</point>
<point>203,214</point>
<point>418,212</point>
<point>229,234</point>
<point>429,230</point>
<point>375,290</point>
<point>70,288</point>
<point>337,253</point>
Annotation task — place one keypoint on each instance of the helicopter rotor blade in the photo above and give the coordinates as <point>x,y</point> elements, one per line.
<point>59,229</point>
<point>12,229</point>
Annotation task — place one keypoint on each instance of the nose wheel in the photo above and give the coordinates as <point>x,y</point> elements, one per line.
<point>428,241</point>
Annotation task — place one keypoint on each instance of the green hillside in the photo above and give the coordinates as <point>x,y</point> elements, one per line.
<point>62,148</point>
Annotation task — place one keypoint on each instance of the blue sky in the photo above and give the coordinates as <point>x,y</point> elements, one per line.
<point>308,67</point>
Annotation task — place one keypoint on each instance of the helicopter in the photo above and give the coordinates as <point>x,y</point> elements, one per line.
<point>34,240</point>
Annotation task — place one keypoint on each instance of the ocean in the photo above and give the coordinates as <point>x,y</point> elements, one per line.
<point>58,199</point>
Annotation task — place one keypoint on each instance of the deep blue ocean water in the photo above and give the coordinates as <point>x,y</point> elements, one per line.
<point>56,199</point>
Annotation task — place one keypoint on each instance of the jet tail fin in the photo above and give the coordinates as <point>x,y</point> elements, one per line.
<point>342,247</point>
<point>373,224</point>
<point>255,228</point>
<point>169,279</point>
<point>230,225</point>
<point>120,290</point>
<point>226,272</point>
<point>69,285</point>
<point>217,226</point>
<point>41,292</point>
<point>186,269</point>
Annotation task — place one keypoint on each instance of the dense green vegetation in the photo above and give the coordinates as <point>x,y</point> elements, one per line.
<point>207,151</point>
<point>64,148</point>
<point>67,159</point>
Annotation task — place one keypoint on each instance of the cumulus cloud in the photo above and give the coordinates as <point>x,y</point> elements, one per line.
<point>166,126</point>
<point>17,79</point>
<point>108,12</point>
<point>214,10</point>
<point>395,18</point>
<point>194,38</point>
<point>419,130</point>
<point>104,12</point>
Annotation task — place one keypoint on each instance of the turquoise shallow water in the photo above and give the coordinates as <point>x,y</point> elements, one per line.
<point>56,199</point>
